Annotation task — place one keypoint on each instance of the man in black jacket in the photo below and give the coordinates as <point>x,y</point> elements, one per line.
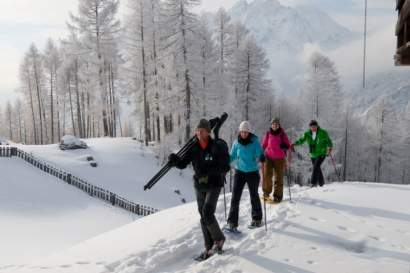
<point>208,164</point>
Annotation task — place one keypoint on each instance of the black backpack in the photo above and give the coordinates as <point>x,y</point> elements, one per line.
<point>223,152</point>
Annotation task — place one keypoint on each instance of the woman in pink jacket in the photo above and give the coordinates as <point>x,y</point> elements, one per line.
<point>275,145</point>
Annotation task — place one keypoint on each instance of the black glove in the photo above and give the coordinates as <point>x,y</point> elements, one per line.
<point>284,146</point>
<point>262,158</point>
<point>173,159</point>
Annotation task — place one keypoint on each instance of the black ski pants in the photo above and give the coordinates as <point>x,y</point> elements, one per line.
<point>252,180</point>
<point>207,200</point>
<point>317,175</point>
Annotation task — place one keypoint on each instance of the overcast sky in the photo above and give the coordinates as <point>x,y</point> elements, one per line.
<point>25,21</point>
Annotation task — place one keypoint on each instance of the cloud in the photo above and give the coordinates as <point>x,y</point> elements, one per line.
<point>381,47</point>
<point>308,50</point>
<point>214,5</point>
<point>10,59</point>
<point>38,12</point>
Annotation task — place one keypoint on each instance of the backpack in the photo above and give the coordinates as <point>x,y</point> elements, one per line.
<point>223,152</point>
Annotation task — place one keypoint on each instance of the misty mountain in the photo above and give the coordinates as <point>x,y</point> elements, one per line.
<point>284,31</point>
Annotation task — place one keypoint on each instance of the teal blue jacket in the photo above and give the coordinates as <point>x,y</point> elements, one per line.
<point>246,157</point>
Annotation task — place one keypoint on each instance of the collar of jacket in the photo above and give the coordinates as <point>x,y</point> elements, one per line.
<point>317,132</point>
<point>245,141</point>
<point>277,132</point>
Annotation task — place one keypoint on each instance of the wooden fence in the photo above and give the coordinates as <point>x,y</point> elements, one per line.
<point>94,191</point>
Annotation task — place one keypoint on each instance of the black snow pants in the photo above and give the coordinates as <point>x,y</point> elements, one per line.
<point>317,175</point>
<point>207,199</point>
<point>252,180</point>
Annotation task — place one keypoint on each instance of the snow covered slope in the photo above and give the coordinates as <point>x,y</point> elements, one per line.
<point>343,227</point>
<point>40,215</point>
<point>124,167</point>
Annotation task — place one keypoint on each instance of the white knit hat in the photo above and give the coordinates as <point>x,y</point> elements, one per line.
<point>245,126</point>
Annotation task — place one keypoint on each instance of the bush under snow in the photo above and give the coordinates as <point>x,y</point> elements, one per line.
<point>69,142</point>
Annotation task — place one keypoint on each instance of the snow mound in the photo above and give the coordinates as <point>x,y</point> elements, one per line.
<point>69,142</point>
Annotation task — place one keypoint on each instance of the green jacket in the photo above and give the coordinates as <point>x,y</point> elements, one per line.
<point>317,147</point>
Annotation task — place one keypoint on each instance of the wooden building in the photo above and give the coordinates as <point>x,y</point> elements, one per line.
<point>402,56</point>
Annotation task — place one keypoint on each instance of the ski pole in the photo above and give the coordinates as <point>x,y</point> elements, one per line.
<point>334,166</point>
<point>264,201</point>
<point>264,208</point>
<point>225,197</point>
<point>288,171</point>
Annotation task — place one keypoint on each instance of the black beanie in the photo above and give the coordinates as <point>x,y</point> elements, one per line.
<point>204,124</point>
<point>313,123</point>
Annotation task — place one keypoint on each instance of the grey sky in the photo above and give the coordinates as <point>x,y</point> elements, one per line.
<point>25,21</point>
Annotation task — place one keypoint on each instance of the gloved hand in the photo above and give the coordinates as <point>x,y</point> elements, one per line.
<point>262,158</point>
<point>329,150</point>
<point>173,159</point>
<point>292,147</point>
<point>283,146</point>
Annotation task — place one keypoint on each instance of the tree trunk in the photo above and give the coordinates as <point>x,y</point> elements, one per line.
<point>71,107</point>
<point>37,81</point>
<point>147,121</point>
<point>77,93</point>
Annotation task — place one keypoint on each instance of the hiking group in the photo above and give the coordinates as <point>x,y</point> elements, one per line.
<point>211,160</point>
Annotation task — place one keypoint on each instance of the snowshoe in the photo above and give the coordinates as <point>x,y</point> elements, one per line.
<point>231,229</point>
<point>255,224</point>
<point>206,254</point>
<point>267,199</point>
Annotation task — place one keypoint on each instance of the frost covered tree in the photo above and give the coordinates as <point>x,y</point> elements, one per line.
<point>254,90</point>
<point>180,35</point>
<point>207,94</point>
<point>97,23</point>
<point>322,91</point>
<point>32,87</point>
<point>225,50</point>
<point>52,63</point>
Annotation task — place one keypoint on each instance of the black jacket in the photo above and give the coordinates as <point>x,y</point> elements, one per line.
<point>207,163</point>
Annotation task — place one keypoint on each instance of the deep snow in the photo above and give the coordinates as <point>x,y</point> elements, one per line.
<point>342,227</point>
<point>40,215</point>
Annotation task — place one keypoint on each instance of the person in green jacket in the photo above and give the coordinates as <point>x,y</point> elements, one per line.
<point>320,145</point>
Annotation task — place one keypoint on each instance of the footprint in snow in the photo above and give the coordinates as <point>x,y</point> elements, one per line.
<point>314,248</point>
<point>261,246</point>
<point>317,219</point>
<point>65,265</point>
<point>347,229</point>
<point>311,262</point>
<point>376,238</point>
<point>83,262</point>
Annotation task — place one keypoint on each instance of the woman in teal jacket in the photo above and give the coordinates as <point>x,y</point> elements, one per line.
<point>320,145</point>
<point>246,152</point>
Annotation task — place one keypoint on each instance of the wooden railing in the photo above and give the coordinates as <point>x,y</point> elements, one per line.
<point>92,190</point>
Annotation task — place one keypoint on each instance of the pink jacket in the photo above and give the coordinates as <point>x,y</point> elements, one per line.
<point>271,144</point>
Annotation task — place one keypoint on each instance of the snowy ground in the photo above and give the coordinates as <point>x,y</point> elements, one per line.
<point>40,215</point>
<point>349,227</point>
<point>124,167</point>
